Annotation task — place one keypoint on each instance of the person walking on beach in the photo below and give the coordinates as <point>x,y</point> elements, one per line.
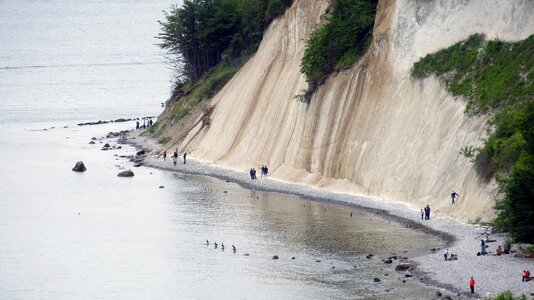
<point>136,125</point>
<point>422,214</point>
<point>174,157</point>
<point>446,253</point>
<point>185,155</point>
<point>454,195</point>
<point>472,285</point>
<point>427,212</point>
<point>164,155</point>
<point>483,247</point>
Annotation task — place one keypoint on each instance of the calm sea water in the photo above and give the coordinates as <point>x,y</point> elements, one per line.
<point>65,235</point>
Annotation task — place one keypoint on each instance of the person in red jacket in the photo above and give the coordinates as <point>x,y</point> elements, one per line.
<point>472,285</point>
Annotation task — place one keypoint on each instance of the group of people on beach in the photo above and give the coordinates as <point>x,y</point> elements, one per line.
<point>145,124</point>
<point>175,156</point>
<point>264,172</point>
<point>425,212</point>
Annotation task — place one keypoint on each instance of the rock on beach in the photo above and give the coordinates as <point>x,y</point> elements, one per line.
<point>79,167</point>
<point>127,173</point>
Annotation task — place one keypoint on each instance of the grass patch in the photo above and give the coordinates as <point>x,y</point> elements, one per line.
<point>507,296</point>
<point>340,42</point>
<point>182,113</point>
<point>497,77</point>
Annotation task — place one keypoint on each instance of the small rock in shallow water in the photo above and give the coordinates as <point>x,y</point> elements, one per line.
<point>275,257</point>
<point>161,186</point>
<point>388,261</point>
<point>376,279</point>
<point>438,293</point>
<point>293,257</point>
<point>318,261</point>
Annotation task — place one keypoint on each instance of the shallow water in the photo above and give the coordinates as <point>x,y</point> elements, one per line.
<point>95,235</point>
<point>65,235</point>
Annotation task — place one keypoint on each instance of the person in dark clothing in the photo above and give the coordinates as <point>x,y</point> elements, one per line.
<point>454,195</point>
<point>483,247</point>
<point>174,157</point>
<point>185,157</point>
<point>151,122</point>
<point>422,214</point>
<point>254,174</point>
<point>136,125</point>
<point>251,172</point>
<point>427,212</point>
<point>164,155</point>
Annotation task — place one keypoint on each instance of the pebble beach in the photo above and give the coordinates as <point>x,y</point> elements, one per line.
<point>493,274</point>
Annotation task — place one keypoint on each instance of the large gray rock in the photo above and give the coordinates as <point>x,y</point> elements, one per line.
<point>79,167</point>
<point>126,174</point>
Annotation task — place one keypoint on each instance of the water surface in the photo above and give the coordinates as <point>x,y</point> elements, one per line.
<point>65,235</point>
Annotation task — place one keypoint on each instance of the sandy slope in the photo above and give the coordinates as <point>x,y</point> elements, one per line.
<point>369,130</point>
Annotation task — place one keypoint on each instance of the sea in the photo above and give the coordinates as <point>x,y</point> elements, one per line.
<point>93,235</point>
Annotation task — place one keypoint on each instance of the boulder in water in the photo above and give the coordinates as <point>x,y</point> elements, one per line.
<point>79,167</point>
<point>275,257</point>
<point>127,173</point>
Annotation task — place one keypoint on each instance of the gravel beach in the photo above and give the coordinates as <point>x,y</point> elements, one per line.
<point>493,274</point>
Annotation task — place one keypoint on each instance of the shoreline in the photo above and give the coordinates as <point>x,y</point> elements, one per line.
<point>493,274</point>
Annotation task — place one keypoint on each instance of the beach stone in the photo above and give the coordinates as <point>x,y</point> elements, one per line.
<point>388,261</point>
<point>137,165</point>
<point>92,143</point>
<point>293,257</point>
<point>408,275</point>
<point>369,256</point>
<point>446,298</point>
<point>275,257</point>
<point>376,279</point>
<point>126,174</point>
<point>93,138</point>
<point>106,147</point>
<point>140,152</point>
<point>439,294</point>
<point>318,261</point>
<point>79,167</point>
<point>405,267</point>
<point>161,186</point>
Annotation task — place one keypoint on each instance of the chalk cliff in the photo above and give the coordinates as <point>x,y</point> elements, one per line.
<point>371,129</point>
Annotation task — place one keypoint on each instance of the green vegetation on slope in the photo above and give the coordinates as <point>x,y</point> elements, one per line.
<point>189,95</point>
<point>497,77</point>
<point>201,33</point>
<point>507,296</point>
<point>341,41</point>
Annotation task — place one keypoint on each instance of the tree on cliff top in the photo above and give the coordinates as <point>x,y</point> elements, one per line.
<point>201,33</point>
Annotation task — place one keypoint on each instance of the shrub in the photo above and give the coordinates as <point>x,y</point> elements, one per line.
<point>497,77</point>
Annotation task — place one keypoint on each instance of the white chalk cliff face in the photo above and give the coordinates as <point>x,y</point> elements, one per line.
<point>371,129</point>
